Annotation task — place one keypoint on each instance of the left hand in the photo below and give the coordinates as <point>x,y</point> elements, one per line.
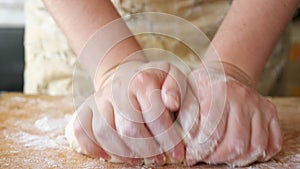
<point>236,125</point>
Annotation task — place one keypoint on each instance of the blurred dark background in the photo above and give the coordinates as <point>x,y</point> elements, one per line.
<point>11,59</point>
<point>11,45</point>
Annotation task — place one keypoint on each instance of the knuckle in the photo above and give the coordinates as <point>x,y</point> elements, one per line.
<point>273,109</point>
<point>143,78</point>
<point>270,106</point>
<point>129,129</point>
<point>270,111</point>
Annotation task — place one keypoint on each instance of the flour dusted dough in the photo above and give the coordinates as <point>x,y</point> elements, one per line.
<point>70,135</point>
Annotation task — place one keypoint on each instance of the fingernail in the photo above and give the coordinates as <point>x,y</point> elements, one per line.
<point>160,160</point>
<point>178,154</point>
<point>137,161</point>
<point>105,156</point>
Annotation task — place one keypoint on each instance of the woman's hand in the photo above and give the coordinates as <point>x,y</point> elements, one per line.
<point>129,116</point>
<point>236,125</point>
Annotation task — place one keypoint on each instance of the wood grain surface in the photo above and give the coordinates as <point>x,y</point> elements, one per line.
<point>32,135</point>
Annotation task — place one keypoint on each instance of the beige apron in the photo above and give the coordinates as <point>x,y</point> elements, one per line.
<point>50,61</point>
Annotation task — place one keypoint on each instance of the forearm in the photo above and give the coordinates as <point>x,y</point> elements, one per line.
<point>250,31</point>
<point>80,19</point>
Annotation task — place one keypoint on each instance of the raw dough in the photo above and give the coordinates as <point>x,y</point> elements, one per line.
<point>70,135</point>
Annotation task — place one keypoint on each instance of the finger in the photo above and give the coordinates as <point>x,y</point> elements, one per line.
<point>125,107</point>
<point>106,135</point>
<point>84,135</point>
<point>236,140</point>
<point>189,116</point>
<point>188,119</point>
<point>275,139</point>
<point>259,141</point>
<point>214,107</point>
<point>157,117</point>
<point>128,113</point>
<point>138,138</point>
<point>174,89</point>
<point>211,131</point>
<point>167,135</point>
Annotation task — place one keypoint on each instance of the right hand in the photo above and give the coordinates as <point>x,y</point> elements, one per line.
<point>106,120</point>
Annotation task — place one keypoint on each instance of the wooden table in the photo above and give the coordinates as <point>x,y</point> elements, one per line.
<point>32,135</point>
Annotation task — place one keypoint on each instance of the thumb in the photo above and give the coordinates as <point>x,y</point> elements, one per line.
<point>174,89</point>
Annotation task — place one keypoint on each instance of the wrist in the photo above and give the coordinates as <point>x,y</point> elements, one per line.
<point>231,71</point>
